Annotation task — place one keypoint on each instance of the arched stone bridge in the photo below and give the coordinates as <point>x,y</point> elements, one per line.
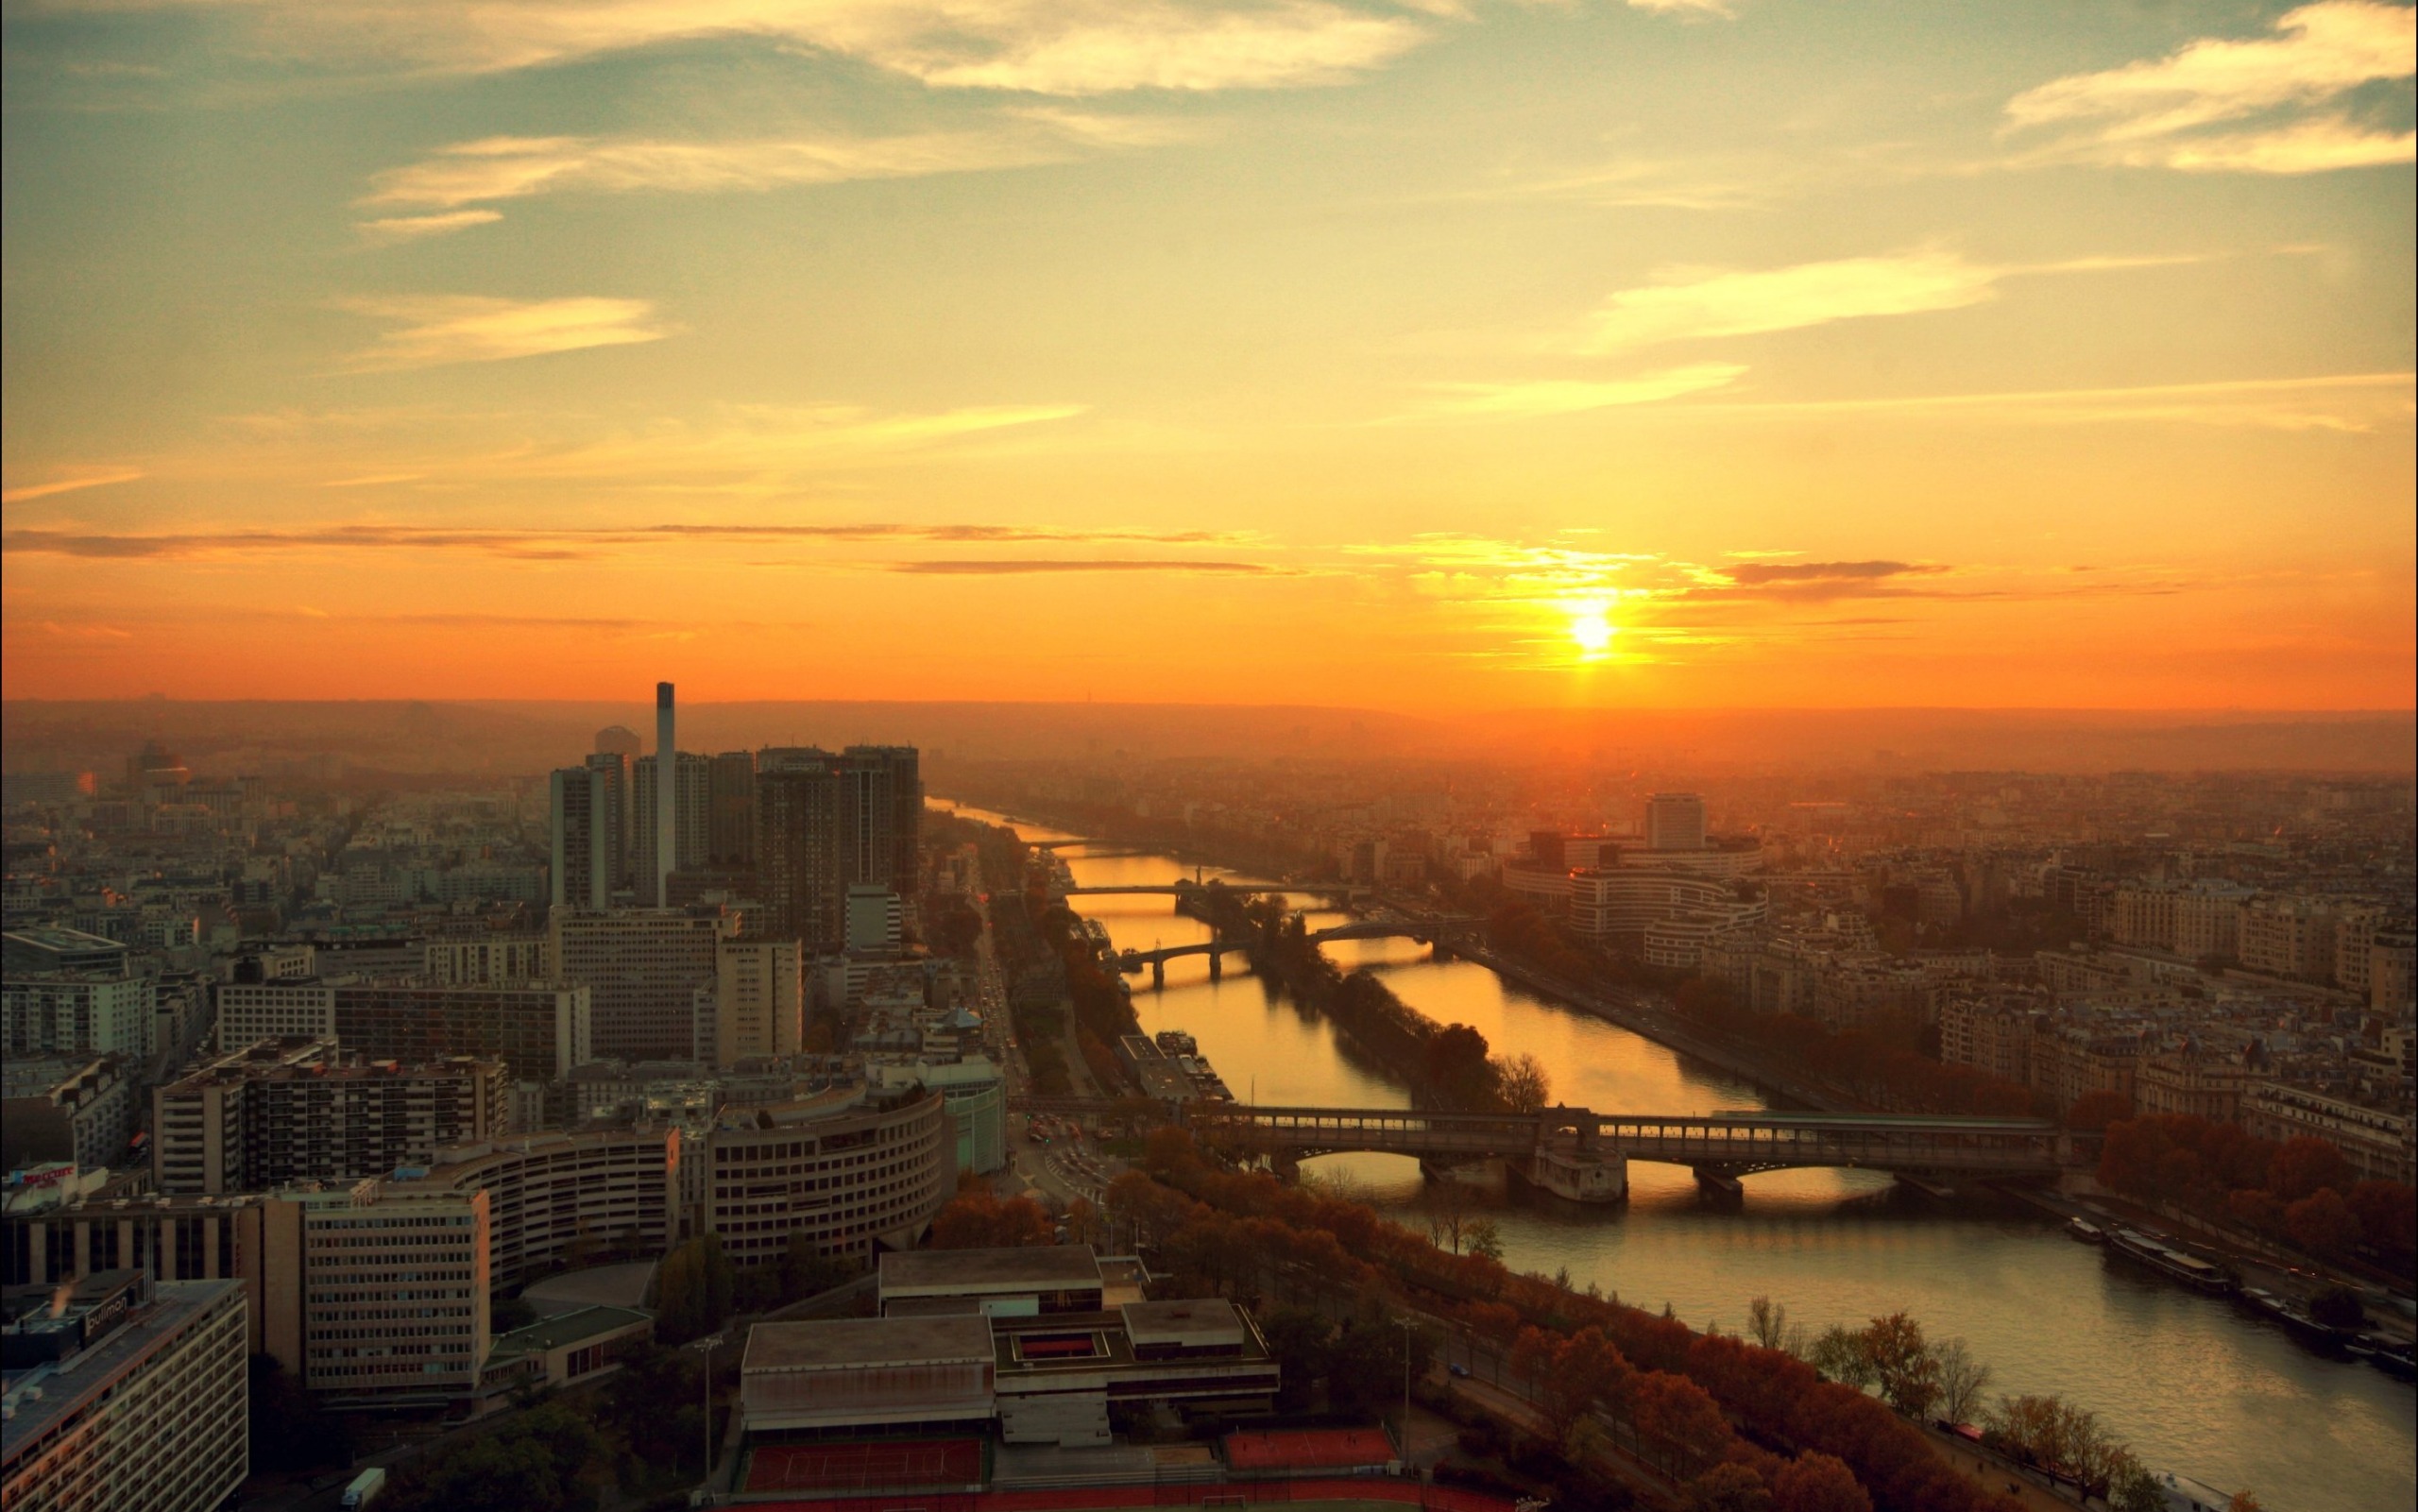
<point>1584,1156</point>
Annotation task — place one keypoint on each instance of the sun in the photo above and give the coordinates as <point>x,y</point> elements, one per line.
<point>1592,629</point>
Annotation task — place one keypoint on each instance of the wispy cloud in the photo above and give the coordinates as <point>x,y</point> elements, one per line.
<point>2350,402</point>
<point>1683,306</point>
<point>1549,397</point>
<point>2275,104</point>
<point>73,480</point>
<point>504,168</point>
<point>546,544</point>
<point>412,228</point>
<point>1062,47</point>
<point>1806,571</point>
<point>432,330</point>
<point>1017,566</point>
<point>1687,304</point>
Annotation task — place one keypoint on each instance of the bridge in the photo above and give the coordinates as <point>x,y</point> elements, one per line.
<point>1326,890</point>
<point>1575,1153</point>
<point>1156,959</point>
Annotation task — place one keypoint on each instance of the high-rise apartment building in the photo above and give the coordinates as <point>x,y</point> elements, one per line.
<point>691,811</point>
<point>2289,937</point>
<point>540,1028</point>
<point>580,827</point>
<point>889,821</point>
<point>800,863</point>
<point>642,969</point>
<point>1674,822</point>
<point>760,999</point>
<point>730,809</point>
<point>144,1404</point>
<point>287,1111</point>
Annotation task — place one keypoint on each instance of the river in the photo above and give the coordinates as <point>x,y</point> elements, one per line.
<point>2194,1386</point>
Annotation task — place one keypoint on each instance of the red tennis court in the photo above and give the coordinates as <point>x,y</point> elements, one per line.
<point>850,1466</point>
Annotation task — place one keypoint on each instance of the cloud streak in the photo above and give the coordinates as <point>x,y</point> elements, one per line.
<point>1552,397</point>
<point>552,545</point>
<point>74,481</point>
<point>1059,47</point>
<point>504,168</point>
<point>2275,104</point>
<point>1019,566</point>
<point>435,330</point>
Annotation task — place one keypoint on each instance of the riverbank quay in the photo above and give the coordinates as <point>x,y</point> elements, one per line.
<point>2392,1312</point>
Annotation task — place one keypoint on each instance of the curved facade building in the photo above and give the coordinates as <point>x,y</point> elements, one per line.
<point>855,1171</point>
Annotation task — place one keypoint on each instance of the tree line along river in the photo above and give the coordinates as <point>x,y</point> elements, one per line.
<point>2196,1385</point>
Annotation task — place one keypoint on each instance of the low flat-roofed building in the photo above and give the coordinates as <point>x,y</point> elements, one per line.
<point>568,1347</point>
<point>1023,1282</point>
<point>1192,1327</point>
<point>1047,1378</point>
<point>865,1372</point>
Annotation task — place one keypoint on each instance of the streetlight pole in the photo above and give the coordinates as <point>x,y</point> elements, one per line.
<point>706,1348</point>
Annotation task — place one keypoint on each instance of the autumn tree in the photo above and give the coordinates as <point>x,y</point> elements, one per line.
<point>976,1219</point>
<point>1727,1487</point>
<point>1678,1416</point>
<point>2321,1223</point>
<point>1817,1483</point>
<point>1573,1376</point>
<point>2303,1166</point>
<point>1901,1363</point>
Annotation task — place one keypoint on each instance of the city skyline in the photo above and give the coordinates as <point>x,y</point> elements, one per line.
<point>1663,355</point>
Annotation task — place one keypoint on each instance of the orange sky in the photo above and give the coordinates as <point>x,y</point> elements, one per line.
<point>1677,354</point>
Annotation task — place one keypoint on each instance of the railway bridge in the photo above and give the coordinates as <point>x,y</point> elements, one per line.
<point>1584,1156</point>
<point>1216,948</point>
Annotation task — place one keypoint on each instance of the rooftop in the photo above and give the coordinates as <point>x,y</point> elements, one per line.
<point>1194,1323</point>
<point>570,1327</point>
<point>843,1343</point>
<point>174,1307</point>
<point>943,1272</point>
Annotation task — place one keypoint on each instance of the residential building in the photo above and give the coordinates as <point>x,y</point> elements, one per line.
<point>2203,1086</point>
<point>103,1011</point>
<point>487,959</point>
<point>294,1109</point>
<point>2377,1143</point>
<point>854,1170</point>
<point>691,819</point>
<point>77,1109</point>
<point>730,809</point>
<point>537,1028</point>
<point>760,999</point>
<point>395,1291</point>
<point>977,1097</point>
<point>1674,822</point>
<point>642,968</point>
<point>144,1406</point>
<point>2288,937</point>
<point>873,917</point>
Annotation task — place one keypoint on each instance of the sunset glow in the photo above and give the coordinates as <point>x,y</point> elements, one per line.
<point>1043,352</point>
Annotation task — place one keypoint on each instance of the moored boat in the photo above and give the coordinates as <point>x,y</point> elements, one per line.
<point>2084,1232</point>
<point>2175,1265</point>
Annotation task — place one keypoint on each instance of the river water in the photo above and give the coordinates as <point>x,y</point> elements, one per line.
<point>2192,1385</point>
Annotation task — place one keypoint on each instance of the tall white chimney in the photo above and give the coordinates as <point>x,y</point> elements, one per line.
<point>667,782</point>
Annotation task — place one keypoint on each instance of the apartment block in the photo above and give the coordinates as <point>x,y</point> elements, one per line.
<point>144,1405</point>
<point>297,1109</point>
<point>395,1291</point>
